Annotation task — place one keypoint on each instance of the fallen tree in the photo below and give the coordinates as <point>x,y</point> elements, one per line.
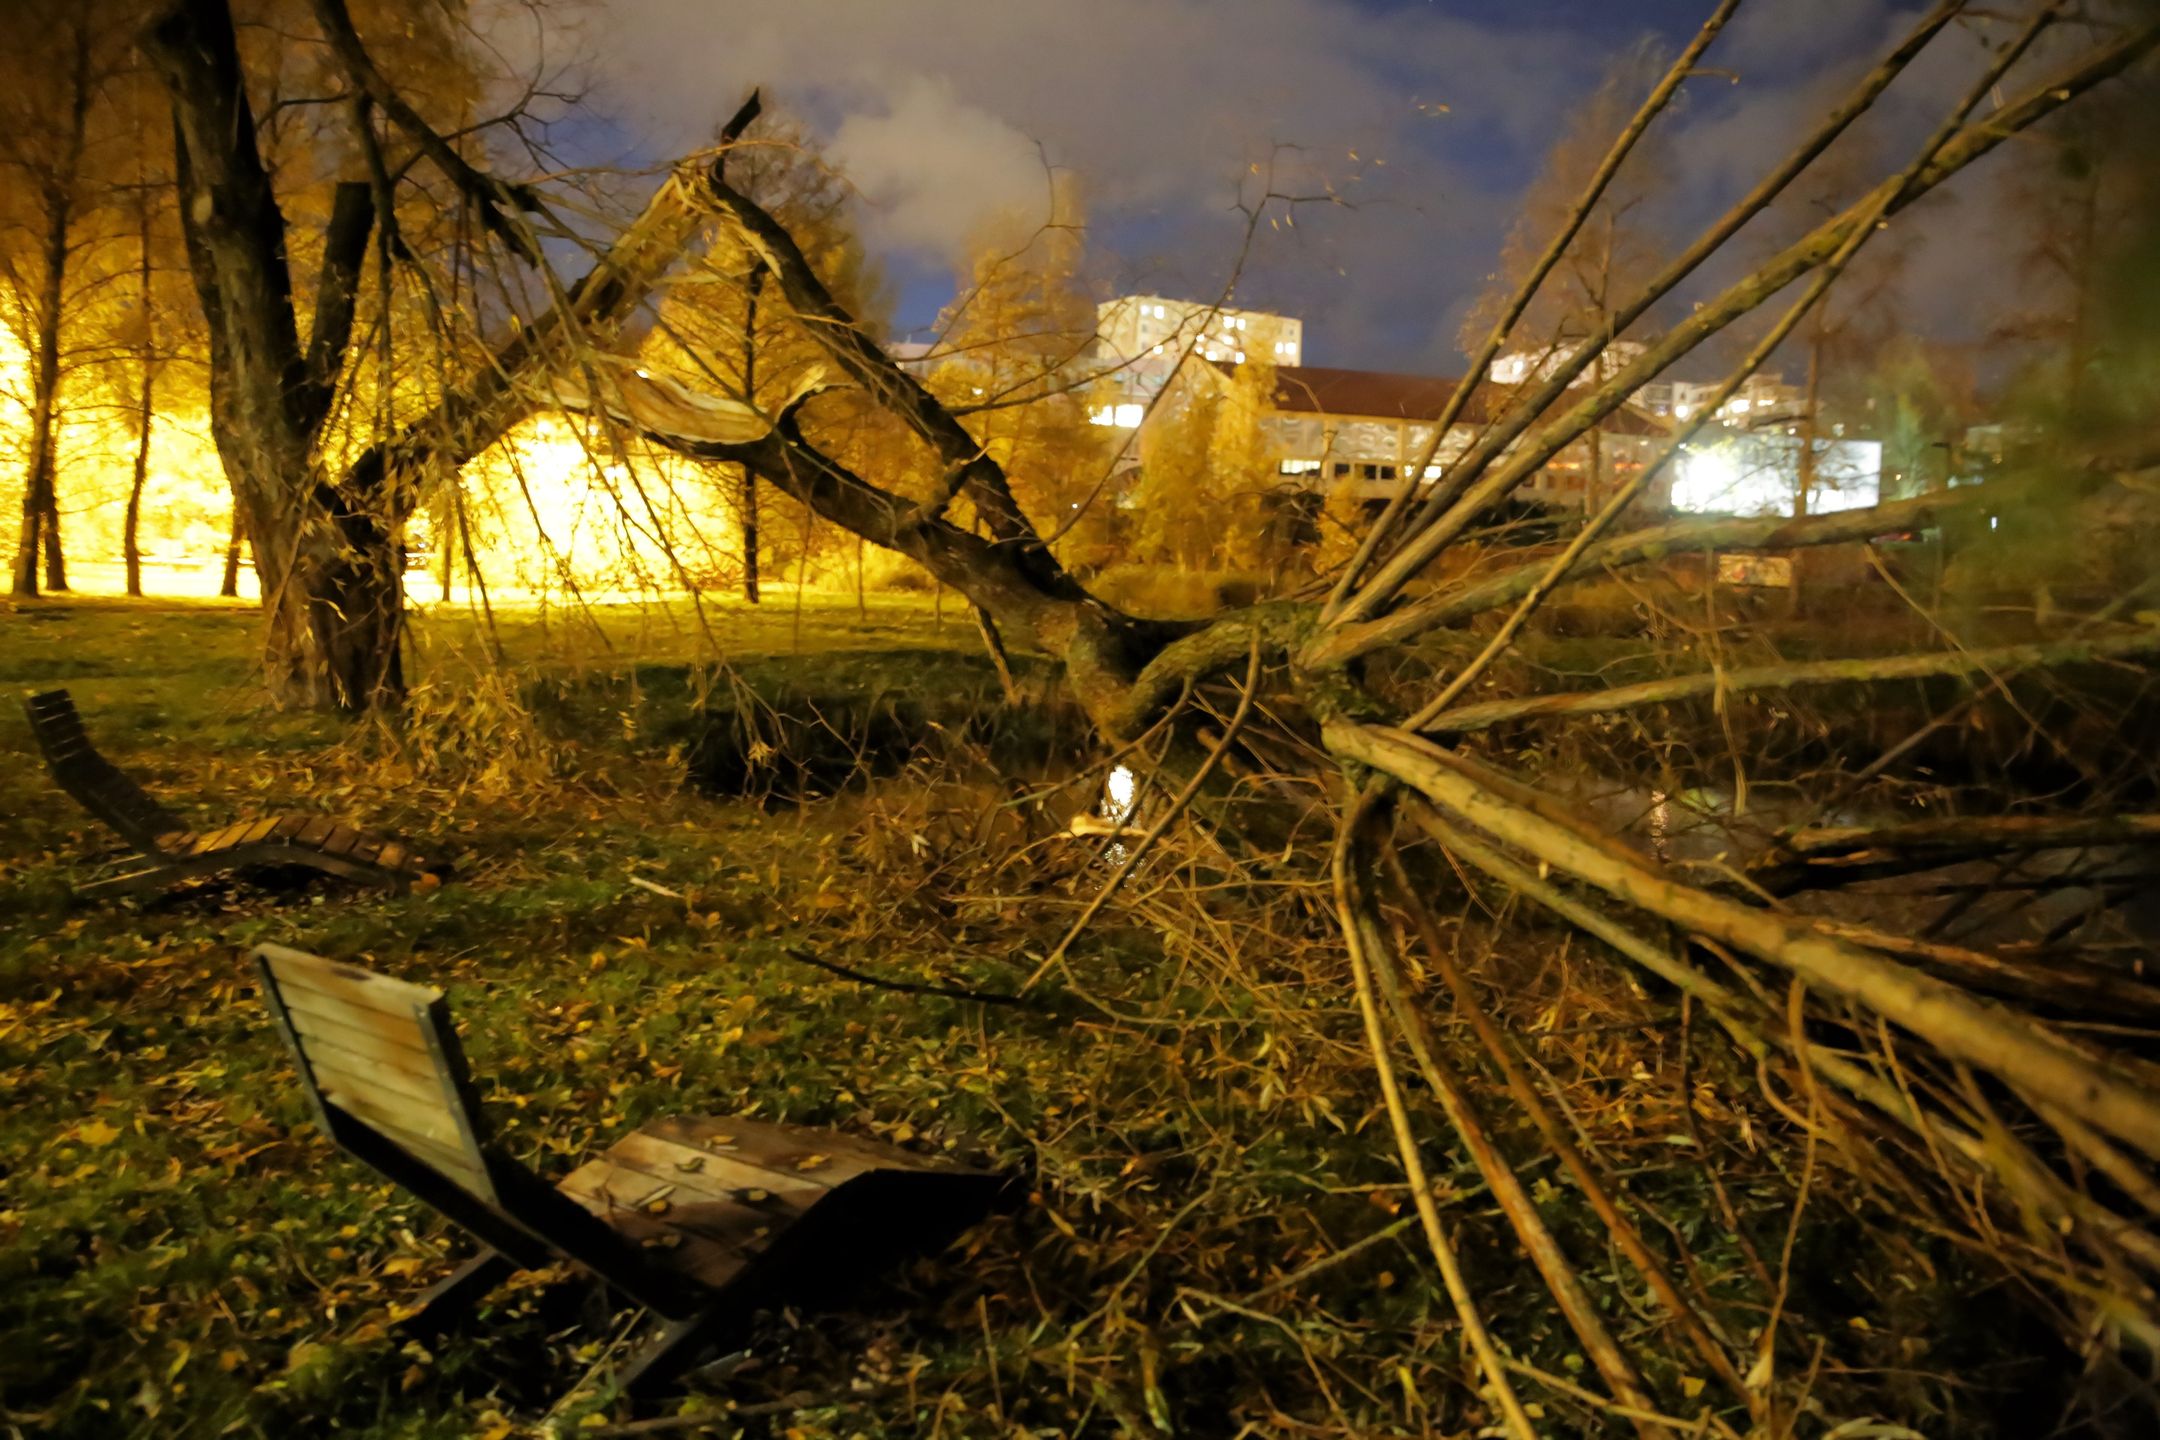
<point>1896,1042</point>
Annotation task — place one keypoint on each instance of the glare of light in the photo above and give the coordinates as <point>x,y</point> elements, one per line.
<point>1683,411</point>
<point>1120,791</point>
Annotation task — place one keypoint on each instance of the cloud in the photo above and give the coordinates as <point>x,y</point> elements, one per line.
<point>933,169</point>
<point>1410,129</point>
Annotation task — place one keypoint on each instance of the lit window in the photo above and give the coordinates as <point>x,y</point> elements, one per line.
<point>1683,410</point>
<point>1107,415</point>
<point>1156,351</point>
<point>1240,357</point>
<point>1130,416</point>
<point>1740,407</point>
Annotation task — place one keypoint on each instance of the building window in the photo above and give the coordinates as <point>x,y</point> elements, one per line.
<point>1300,467</point>
<point>1341,470</point>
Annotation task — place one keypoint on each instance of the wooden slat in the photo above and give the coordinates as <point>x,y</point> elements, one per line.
<point>341,839</point>
<point>789,1149</point>
<point>452,1160</point>
<point>453,1165</point>
<point>382,1038</point>
<point>209,841</point>
<point>259,831</point>
<point>367,849</point>
<point>288,826</point>
<point>347,983</point>
<point>336,1069</point>
<point>715,1173</point>
<point>313,833</point>
<point>393,1113</point>
<point>601,1186</point>
<point>710,1260</point>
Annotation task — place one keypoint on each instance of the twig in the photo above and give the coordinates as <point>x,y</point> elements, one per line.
<point>909,987</point>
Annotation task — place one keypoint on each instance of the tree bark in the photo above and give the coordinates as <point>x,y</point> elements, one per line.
<point>748,495</point>
<point>229,584</point>
<point>145,412</point>
<point>131,527</point>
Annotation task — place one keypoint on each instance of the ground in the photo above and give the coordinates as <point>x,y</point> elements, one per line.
<point>1216,1235</point>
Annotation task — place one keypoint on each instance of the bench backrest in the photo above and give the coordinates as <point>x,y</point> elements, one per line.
<point>380,1054</point>
<point>96,783</point>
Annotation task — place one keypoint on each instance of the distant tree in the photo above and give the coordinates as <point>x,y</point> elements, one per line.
<point>719,328</point>
<point>60,64</point>
<point>1613,253</point>
<point>1205,457</point>
<point>1011,360</point>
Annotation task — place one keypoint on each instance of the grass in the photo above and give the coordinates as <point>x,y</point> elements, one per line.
<point>1216,1234</point>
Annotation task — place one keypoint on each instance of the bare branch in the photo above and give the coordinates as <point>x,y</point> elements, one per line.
<point>488,194</point>
<point>1842,854</point>
<point>2022,1052</point>
<point>1750,679</point>
<point>1564,235</point>
<point>1968,145</point>
<point>337,294</point>
<point>1765,533</point>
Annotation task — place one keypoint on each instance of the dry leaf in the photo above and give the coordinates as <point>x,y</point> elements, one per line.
<point>96,1132</point>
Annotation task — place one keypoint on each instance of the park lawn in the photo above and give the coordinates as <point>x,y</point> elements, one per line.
<point>181,1253</point>
<point>1216,1231</point>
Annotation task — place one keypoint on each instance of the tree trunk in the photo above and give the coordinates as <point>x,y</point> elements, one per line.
<point>749,493</point>
<point>41,518</point>
<point>55,565</point>
<point>327,544</point>
<point>749,504</point>
<point>145,413</point>
<point>41,510</point>
<point>229,586</point>
<point>452,538</point>
<point>131,527</point>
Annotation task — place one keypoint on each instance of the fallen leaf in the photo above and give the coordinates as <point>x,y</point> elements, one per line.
<point>96,1132</point>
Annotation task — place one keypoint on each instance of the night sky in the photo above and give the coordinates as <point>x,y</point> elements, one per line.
<point>1427,117</point>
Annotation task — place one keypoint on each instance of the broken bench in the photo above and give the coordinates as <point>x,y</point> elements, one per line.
<point>704,1220</point>
<point>169,851</point>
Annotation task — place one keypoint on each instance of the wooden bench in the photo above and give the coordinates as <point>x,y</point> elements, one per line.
<point>170,852</point>
<point>704,1220</point>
